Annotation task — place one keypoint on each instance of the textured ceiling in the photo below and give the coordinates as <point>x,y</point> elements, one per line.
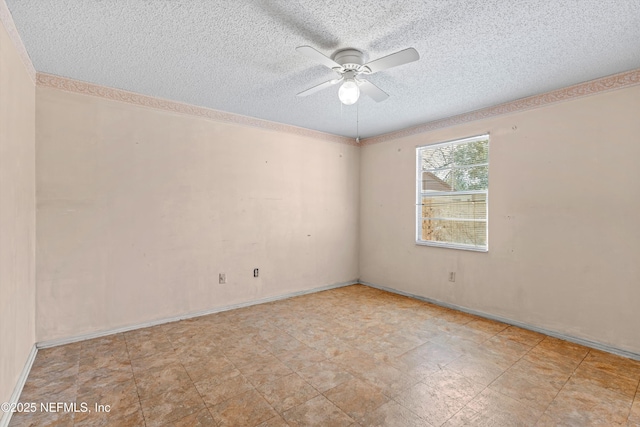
<point>239,56</point>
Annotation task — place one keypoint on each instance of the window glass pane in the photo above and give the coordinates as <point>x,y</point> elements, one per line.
<point>459,179</point>
<point>436,158</point>
<point>471,153</point>
<point>467,206</point>
<point>460,232</point>
<point>441,180</point>
<point>452,185</point>
<point>471,178</point>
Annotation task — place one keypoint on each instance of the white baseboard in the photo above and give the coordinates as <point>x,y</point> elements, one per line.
<point>581,341</point>
<point>15,396</point>
<point>98,334</point>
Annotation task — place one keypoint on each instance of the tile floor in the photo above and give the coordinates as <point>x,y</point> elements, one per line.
<point>352,356</point>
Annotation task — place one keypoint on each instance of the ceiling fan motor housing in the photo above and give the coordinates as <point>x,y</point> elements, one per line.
<point>350,59</point>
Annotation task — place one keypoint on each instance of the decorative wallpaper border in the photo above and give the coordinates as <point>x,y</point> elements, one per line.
<point>76,86</point>
<point>10,26</point>
<point>616,81</point>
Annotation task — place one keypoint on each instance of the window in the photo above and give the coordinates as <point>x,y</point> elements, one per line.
<point>452,194</point>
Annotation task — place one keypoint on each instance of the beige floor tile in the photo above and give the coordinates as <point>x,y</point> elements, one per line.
<point>541,372</point>
<point>613,364</point>
<point>392,414</point>
<point>155,347</point>
<point>526,389</point>
<point>325,375</point>
<point>222,387</point>
<point>496,409</point>
<point>603,378</point>
<point>453,384</point>
<point>154,381</point>
<point>197,352</point>
<point>565,348</point>
<point>265,370</point>
<point>208,368</point>
<point>154,362</point>
<point>512,350</point>
<point>583,403</point>
<point>434,405</point>
<point>99,359</point>
<point>297,360</point>
<point>389,379</point>
<point>555,361</point>
<point>286,392</point>
<point>465,417</point>
<point>458,343</point>
<point>477,369</point>
<point>283,344</point>
<point>318,412</point>
<point>276,421</point>
<point>68,352</point>
<point>411,366</point>
<point>112,419</point>
<point>51,388</point>
<point>247,356</point>
<point>330,347</point>
<point>38,419</point>
<point>122,399</point>
<point>432,354</point>
<point>171,406</point>
<point>356,398</point>
<point>245,409</point>
<point>384,358</point>
<point>106,376</point>
<point>490,326</point>
<point>456,317</point>
<point>522,336</point>
<point>201,418</point>
<point>634,415</point>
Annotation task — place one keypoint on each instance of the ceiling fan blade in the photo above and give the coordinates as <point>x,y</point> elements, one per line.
<point>319,87</point>
<point>393,60</point>
<point>311,53</point>
<point>372,90</point>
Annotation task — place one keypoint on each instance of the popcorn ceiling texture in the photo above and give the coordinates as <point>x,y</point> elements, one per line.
<point>239,57</point>
<point>9,26</point>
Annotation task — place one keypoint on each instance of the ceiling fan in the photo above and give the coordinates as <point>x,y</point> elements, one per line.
<point>349,64</point>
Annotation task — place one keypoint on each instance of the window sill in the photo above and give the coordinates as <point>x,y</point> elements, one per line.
<point>451,246</point>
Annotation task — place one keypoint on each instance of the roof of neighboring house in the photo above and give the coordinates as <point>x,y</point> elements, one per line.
<point>433,183</point>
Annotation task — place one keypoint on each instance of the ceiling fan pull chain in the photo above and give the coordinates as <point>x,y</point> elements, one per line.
<point>358,123</point>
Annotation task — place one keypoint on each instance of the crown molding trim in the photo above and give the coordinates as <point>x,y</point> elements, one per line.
<point>84,88</point>
<point>12,31</point>
<point>604,84</point>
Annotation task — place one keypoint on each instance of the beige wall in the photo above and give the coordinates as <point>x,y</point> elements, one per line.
<point>17,215</point>
<point>140,209</point>
<point>564,233</point>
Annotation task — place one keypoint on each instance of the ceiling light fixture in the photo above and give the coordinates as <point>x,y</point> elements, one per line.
<point>349,92</point>
<point>350,65</point>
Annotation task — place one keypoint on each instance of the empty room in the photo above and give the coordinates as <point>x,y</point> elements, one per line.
<point>272,213</point>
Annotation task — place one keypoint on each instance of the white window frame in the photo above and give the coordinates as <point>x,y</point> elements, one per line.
<point>420,193</point>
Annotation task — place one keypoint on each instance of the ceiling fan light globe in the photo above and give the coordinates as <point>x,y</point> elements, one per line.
<point>349,92</point>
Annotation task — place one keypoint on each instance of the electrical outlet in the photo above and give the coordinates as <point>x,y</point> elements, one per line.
<point>255,272</point>
<point>222,278</point>
<point>452,276</point>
